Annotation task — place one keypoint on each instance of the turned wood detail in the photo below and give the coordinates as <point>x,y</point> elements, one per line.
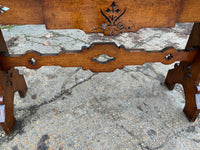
<point>87,58</point>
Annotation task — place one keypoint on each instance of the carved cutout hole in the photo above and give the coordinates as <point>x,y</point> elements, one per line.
<point>198,88</point>
<point>197,98</point>
<point>113,5</point>
<point>3,9</point>
<point>112,15</point>
<point>2,113</point>
<point>108,11</point>
<point>169,56</point>
<point>103,59</point>
<point>32,61</point>
<point>104,25</point>
<point>1,98</point>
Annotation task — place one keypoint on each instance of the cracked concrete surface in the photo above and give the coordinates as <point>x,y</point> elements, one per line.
<point>68,108</point>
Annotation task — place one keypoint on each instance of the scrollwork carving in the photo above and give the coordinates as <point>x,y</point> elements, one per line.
<point>112,15</point>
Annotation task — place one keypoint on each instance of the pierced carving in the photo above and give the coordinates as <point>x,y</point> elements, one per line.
<point>32,61</point>
<point>89,58</point>
<point>1,95</point>
<point>2,113</point>
<point>197,99</point>
<point>103,59</point>
<point>1,98</point>
<point>112,15</point>
<point>169,56</point>
<point>3,9</point>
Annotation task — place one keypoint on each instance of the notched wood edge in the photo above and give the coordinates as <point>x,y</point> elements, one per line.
<point>84,57</point>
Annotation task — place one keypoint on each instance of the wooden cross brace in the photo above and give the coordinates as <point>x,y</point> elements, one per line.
<point>186,73</point>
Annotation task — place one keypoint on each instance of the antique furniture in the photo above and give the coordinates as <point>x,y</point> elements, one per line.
<point>110,17</point>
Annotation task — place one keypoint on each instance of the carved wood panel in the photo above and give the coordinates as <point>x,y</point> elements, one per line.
<point>86,14</point>
<point>114,57</point>
<point>110,16</point>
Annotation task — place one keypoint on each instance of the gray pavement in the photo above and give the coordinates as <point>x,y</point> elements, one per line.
<point>68,108</point>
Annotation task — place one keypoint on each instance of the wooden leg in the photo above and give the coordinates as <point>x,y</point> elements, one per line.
<point>192,97</point>
<point>18,82</point>
<point>10,82</point>
<point>189,77</point>
<point>188,74</point>
<point>9,122</point>
<point>175,75</point>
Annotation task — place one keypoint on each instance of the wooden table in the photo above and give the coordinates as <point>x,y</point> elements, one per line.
<point>108,17</point>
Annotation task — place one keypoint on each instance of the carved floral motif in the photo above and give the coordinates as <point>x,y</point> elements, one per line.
<point>112,15</point>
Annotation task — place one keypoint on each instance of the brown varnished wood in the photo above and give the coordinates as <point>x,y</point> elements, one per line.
<point>91,15</point>
<point>111,18</point>
<point>190,11</point>
<point>190,84</point>
<point>175,75</point>
<point>8,98</point>
<point>85,58</point>
<point>22,12</point>
<point>188,74</point>
<point>194,40</point>
<point>10,82</point>
<point>3,44</point>
<point>86,14</point>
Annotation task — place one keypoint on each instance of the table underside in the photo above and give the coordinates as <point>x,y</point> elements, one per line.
<point>110,18</point>
<point>106,16</point>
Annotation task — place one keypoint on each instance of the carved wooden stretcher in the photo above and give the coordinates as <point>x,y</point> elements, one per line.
<point>108,17</point>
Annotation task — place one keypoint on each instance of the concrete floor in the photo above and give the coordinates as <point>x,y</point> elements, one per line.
<point>68,108</point>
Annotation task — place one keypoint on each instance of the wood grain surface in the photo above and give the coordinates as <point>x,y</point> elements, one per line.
<point>100,15</point>
<point>190,11</point>
<point>110,17</point>
<point>86,58</point>
<point>188,74</point>
<point>10,82</point>
<point>22,12</point>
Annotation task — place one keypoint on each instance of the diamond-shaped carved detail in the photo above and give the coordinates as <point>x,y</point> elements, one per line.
<point>103,59</point>
<point>3,9</point>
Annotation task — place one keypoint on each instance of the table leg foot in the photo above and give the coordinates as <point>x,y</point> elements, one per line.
<point>188,75</point>
<point>191,113</point>
<point>7,112</point>
<point>11,81</point>
<point>8,125</point>
<point>192,100</point>
<point>192,92</point>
